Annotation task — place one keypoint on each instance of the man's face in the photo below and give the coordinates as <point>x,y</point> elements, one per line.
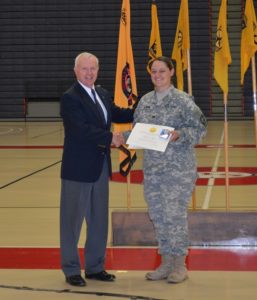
<point>86,70</point>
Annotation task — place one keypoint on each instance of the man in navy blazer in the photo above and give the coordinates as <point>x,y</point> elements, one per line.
<point>87,113</point>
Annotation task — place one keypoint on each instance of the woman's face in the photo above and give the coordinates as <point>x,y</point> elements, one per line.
<point>161,75</point>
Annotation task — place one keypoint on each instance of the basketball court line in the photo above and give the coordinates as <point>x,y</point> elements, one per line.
<point>68,291</point>
<point>10,130</point>
<point>210,183</point>
<point>28,175</point>
<point>45,134</point>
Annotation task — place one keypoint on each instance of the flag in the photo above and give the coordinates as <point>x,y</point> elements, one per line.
<point>181,43</point>
<point>155,48</point>
<point>248,37</point>
<point>125,94</point>
<point>222,57</point>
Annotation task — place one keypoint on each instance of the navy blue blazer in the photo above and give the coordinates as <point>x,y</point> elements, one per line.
<point>87,140</point>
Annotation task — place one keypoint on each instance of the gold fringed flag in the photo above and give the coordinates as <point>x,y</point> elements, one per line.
<point>222,57</point>
<point>125,84</point>
<point>248,37</point>
<point>155,48</point>
<point>181,43</point>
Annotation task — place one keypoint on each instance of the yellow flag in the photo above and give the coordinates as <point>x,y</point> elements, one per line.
<point>248,37</point>
<point>181,43</point>
<point>125,84</point>
<point>155,48</point>
<point>222,57</point>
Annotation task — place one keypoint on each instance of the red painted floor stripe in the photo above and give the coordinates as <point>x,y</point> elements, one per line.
<point>61,146</point>
<point>199,259</point>
<point>237,176</point>
<point>222,146</point>
<point>32,147</point>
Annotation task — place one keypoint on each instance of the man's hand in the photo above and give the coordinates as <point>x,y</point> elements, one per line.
<point>117,139</point>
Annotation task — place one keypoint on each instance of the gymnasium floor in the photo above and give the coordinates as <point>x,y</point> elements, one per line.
<point>30,155</point>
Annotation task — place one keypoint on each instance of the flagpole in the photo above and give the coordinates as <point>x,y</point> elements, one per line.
<point>254,96</point>
<point>125,91</point>
<point>190,92</point>
<point>129,190</point>
<point>226,151</point>
<point>222,59</point>
<point>189,76</point>
<point>181,54</point>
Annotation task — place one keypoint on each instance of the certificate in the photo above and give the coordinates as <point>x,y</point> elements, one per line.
<point>149,136</point>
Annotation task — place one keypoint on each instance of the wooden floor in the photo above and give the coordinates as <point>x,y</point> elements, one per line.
<point>30,155</point>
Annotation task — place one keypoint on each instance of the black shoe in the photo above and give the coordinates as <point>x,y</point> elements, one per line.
<point>76,280</point>
<point>103,276</point>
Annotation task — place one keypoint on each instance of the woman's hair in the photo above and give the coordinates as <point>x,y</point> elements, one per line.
<point>166,60</point>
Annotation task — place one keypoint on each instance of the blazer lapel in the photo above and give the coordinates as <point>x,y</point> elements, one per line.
<point>105,103</point>
<point>87,100</point>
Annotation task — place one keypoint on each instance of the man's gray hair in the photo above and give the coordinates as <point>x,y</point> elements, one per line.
<point>86,55</point>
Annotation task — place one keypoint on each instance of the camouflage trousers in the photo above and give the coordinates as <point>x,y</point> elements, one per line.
<point>168,198</point>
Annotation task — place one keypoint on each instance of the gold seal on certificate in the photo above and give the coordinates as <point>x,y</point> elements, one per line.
<point>153,129</point>
<point>149,136</point>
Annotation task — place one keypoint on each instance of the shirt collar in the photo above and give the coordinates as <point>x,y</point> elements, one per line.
<point>88,90</point>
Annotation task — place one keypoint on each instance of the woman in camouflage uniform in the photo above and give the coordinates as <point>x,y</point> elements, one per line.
<point>169,177</point>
